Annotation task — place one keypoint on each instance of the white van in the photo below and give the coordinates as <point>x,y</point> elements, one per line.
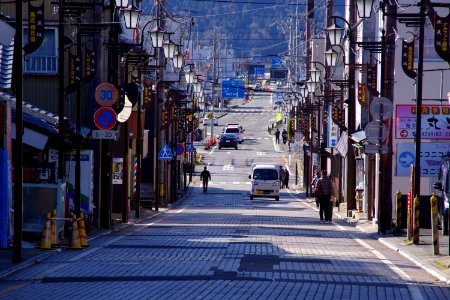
<point>265,182</point>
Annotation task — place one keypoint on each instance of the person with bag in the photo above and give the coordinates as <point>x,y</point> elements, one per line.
<point>313,187</point>
<point>324,190</point>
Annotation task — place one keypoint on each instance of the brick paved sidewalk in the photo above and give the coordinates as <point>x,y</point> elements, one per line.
<point>421,254</point>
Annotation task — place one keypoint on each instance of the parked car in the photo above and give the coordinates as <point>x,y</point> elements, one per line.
<point>237,131</point>
<point>265,182</point>
<point>228,141</point>
<point>207,121</point>
<point>443,193</point>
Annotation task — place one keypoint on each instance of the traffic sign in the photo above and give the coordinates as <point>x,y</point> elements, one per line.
<point>165,153</point>
<point>106,94</point>
<point>105,118</point>
<point>379,103</point>
<point>190,148</point>
<point>373,131</point>
<point>180,149</point>
<point>104,134</point>
<point>233,89</point>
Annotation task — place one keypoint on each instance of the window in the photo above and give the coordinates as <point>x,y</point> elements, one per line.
<point>232,130</point>
<point>45,59</point>
<point>265,174</point>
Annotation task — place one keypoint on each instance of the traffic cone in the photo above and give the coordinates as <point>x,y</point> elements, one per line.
<point>83,240</point>
<point>45,243</point>
<point>75,243</point>
<point>55,243</point>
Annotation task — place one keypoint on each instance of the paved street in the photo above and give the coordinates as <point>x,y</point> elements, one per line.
<point>222,245</point>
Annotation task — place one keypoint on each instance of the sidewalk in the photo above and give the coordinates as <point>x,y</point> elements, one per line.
<point>31,256</point>
<point>421,254</point>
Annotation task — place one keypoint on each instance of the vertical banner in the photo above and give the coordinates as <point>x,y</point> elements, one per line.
<point>117,170</point>
<point>441,36</point>
<point>72,84</point>
<point>35,28</point>
<point>90,63</point>
<point>362,95</point>
<point>372,79</point>
<point>408,59</point>
<point>332,137</point>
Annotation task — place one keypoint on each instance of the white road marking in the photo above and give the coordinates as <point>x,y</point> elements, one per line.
<point>212,150</point>
<point>228,167</point>
<point>261,153</point>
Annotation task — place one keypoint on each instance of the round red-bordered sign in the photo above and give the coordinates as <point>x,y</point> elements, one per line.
<point>105,118</point>
<point>106,94</point>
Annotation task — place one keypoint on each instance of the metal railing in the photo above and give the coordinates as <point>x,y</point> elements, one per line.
<point>41,65</point>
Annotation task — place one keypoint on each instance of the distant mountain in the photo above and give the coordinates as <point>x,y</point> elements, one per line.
<point>251,27</point>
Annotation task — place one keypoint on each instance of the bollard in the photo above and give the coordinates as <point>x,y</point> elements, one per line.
<point>416,220</point>
<point>409,218</point>
<point>398,223</point>
<point>434,224</point>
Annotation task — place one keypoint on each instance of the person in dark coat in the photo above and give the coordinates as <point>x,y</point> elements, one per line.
<point>205,176</point>
<point>286,178</point>
<point>282,176</point>
<point>325,186</point>
<point>277,136</point>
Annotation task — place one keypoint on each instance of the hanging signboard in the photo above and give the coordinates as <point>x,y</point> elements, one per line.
<point>36,25</point>
<point>435,122</point>
<point>408,59</point>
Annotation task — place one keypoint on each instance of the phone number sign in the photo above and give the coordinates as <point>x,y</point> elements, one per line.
<point>435,122</point>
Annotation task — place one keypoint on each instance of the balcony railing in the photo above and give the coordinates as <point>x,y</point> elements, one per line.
<point>47,65</point>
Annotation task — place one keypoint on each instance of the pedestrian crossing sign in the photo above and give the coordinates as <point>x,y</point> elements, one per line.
<point>190,148</point>
<point>165,153</point>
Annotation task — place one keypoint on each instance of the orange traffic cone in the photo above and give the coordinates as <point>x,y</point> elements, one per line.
<point>83,240</point>
<point>75,243</point>
<point>46,235</point>
<point>54,238</point>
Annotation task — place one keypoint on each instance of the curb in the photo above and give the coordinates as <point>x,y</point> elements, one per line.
<point>430,269</point>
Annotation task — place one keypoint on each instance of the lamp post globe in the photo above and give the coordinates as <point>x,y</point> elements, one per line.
<point>364,8</point>
<point>334,33</point>
<point>157,36</point>
<point>331,57</point>
<point>121,3</point>
<point>310,85</point>
<point>178,60</point>
<point>189,75</point>
<point>303,91</point>
<point>197,86</point>
<point>169,48</point>
<point>131,14</point>
<point>315,75</point>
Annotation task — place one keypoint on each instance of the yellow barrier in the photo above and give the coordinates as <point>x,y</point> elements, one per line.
<point>434,223</point>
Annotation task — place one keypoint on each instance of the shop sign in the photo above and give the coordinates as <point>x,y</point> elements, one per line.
<point>435,122</point>
<point>430,158</point>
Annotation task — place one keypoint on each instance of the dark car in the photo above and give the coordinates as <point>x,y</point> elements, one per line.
<point>228,141</point>
<point>443,193</point>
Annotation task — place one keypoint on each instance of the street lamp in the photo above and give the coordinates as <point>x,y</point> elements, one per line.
<point>364,8</point>
<point>121,3</point>
<point>311,85</point>
<point>331,57</point>
<point>315,75</point>
<point>169,48</point>
<point>131,14</point>
<point>178,60</point>
<point>334,34</point>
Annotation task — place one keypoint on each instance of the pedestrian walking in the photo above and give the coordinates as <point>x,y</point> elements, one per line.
<point>284,135</point>
<point>324,190</point>
<point>277,136</point>
<point>205,176</point>
<point>286,178</point>
<point>313,186</point>
<point>281,178</point>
